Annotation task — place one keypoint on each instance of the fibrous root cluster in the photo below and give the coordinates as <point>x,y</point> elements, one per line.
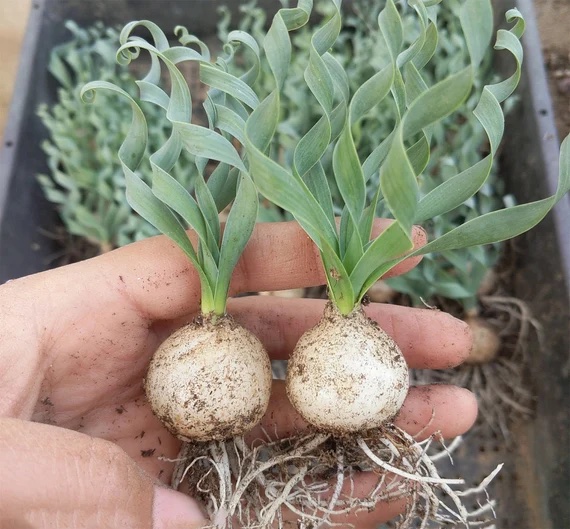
<point>316,480</point>
<point>503,391</point>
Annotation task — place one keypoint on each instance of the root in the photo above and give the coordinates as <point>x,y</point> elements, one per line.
<point>502,389</point>
<point>310,481</point>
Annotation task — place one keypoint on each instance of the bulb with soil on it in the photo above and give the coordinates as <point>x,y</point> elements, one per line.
<point>346,374</point>
<point>209,381</point>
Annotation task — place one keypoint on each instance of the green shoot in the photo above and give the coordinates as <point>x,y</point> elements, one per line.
<point>166,204</point>
<point>352,262</point>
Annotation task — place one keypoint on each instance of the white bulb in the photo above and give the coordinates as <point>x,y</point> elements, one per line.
<point>346,374</point>
<point>209,381</point>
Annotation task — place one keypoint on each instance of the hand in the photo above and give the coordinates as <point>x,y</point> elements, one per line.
<point>79,445</point>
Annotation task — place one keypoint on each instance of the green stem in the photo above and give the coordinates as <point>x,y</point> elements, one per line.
<point>339,290</point>
<point>208,304</point>
<point>344,307</point>
<point>220,306</point>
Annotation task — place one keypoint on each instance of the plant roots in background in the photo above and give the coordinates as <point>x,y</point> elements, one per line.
<point>503,392</point>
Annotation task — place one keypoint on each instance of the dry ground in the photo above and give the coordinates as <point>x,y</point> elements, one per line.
<point>13,17</point>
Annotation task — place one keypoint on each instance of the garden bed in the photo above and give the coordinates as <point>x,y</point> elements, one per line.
<point>531,488</point>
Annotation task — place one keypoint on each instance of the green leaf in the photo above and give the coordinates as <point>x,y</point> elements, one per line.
<point>317,183</point>
<point>348,174</point>
<point>231,122</point>
<point>275,183</point>
<point>377,156</point>
<point>437,102</point>
<point>239,227</point>
<point>419,154</point>
<point>493,227</point>
<point>210,212</point>
<point>391,243</point>
<point>499,225</point>
<point>399,185</point>
<point>223,184</point>
<point>390,25</point>
<point>371,93</point>
<point>207,143</point>
<point>243,38</point>
<point>428,49</point>
<point>277,44</point>
<point>354,248</point>
<point>176,197</point>
<point>453,192</point>
<point>311,146</point>
<point>477,23</point>
<point>229,84</point>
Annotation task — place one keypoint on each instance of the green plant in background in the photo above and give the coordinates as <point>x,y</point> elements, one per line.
<point>86,180</point>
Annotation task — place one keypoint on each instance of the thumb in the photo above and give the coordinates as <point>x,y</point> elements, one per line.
<point>53,477</point>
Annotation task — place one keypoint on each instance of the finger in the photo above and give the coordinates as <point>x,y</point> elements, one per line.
<point>52,477</point>
<point>283,257</point>
<point>430,409</point>
<point>279,256</point>
<point>155,279</point>
<point>427,338</point>
<point>361,485</point>
<point>448,410</point>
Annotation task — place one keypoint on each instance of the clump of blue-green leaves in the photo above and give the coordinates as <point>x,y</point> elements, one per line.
<point>307,477</point>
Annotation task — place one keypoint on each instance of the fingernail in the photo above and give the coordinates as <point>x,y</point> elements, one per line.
<point>174,510</point>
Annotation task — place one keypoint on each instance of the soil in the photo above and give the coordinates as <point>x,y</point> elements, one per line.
<point>553,17</point>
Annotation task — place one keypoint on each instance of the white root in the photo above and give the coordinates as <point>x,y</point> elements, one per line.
<point>484,484</point>
<point>311,479</point>
<point>447,450</point>
<point>339,479</point>
<point>269,513</point>
<point>403,473</point>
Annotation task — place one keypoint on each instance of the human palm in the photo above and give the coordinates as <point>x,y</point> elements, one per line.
<point>75,344</point>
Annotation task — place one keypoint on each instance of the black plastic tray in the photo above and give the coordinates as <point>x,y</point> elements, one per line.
<point>534,487</point>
